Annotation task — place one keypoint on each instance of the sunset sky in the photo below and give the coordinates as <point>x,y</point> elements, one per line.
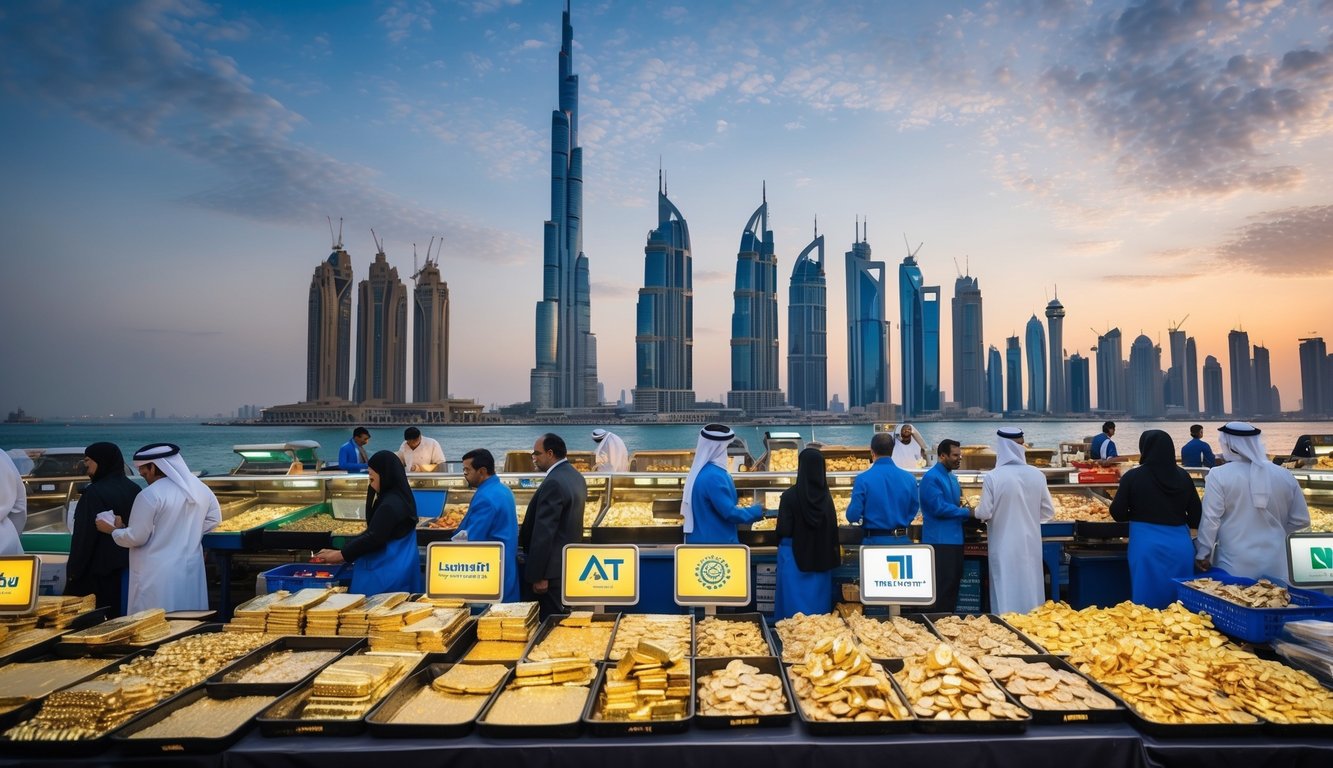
<point>169,164</point>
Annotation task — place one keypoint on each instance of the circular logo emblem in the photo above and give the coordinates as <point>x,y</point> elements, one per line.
<point>712,572</point>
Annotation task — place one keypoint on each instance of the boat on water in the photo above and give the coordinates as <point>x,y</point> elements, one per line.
<point>19,417</point>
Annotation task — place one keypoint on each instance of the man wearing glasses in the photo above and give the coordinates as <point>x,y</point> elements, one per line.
<point>554,519</point>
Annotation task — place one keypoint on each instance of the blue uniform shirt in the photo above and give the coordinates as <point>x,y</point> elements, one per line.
<point>941,515</point>
<point>1196,453</point>
<point>883,497</point>
<point>716,513</point>
<point>492,516</point>
<point>349,457</point>
<point>1103,447</point>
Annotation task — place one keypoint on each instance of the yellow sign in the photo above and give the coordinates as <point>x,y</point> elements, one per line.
<point>600,575</point>
<point>18,583</point>
<point>712,574</point>
<point>466,570</point>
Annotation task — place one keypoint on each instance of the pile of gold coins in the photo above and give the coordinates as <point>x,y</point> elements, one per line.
<point>205,718</point>
<point>765,524</point>
<point>322,523</point>
<point>947,685</point>
<point>286,666</point>
<point>1071,507</point>
<point>847,463</point>
<point>1261,594</point>
<point>576,635</point>
<point>740,690</point>
<point>722,638</point>
<point>260,514</point>
<point>890,637</point>
<point>837,681</point>
<point>648,684</point>
<point>782,460</point>
<point>978,636</point>
<point>800,633</point>
<point>668,631</point>
<point>1037,685</point>
<point>352,685</point>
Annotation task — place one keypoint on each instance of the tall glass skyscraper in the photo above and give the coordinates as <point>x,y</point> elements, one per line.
<point>1316,389</point>
<point>867,328</point>
<point>1055,324</point>
<point>1145,379</point>
<point>381,335</point>
<point>664,333</point>
<point>1036,340</point>
<point>1175,375</point>
<point>969,375</point>
<point>1212,387</point>
<point>430,335</point>
<point>1013,359</point>
<point>329,330</point>
<point>994,381</point>
<point>565,375</point>
<point>754,319</point>
<point>1080,384</point>
<point>807,330</point>
<point>1191,376</point>
<point>1110,372</point>
<point>1242,374</point>
<point>919,324</point>
<point>1264,404</point>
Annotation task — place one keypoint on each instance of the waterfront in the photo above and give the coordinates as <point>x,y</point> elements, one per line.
<point>208,448</point>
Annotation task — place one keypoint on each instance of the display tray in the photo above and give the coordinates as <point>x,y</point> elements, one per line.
<point>853,727</point>
<point>153,746</point>
<point>753,538</point>
<point>1087,529</point>
<point>220,688</point>
<point>76,650</point>
<point>1072,715</point>
<point>850,534</point>
<point>21,712</point>
<point>767,665</point>
<point>750,618</point>
<point>554,620</point>
<point>689,649</point>
<point>273,537</point>
<point>643,534</point>
<point>248,539</point>
<point>1191,730</point>
<point>1036,648</point>
<point>893,666</point>
<point>498,730</point>
<point>429,535</point>
<point>601,727</point>
<point>380,720</point>
<point>1254,625</point>
<point>281,718</point>
<point>915,618</point>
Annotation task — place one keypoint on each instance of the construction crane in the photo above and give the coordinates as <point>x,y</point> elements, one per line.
<point>1180,324</point>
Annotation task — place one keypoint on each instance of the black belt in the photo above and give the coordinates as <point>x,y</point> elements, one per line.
<point>886,531</point>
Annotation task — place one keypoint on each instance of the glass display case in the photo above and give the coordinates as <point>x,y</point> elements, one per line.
<point>642,509</point>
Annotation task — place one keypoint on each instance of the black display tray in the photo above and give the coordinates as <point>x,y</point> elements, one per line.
<point>82,621</point>
<point>554,620</point>
<point>557,731</point>
<point>893,666</point>
<point>26,711</point>
<point>277,720</point>
<point>767,665</point>
<point>853,727</point>
<point>219,688</point>
<point>1071,715</point>
<point>1088,529</point>
<point>427,535</point>
<point>752,618</point>
<point>1192,730</point>
<point>1036,649</point>
<point>176,745</point>
<point>753,538</point>
<point>689,649</point>
<point>378,722</point>
<point>641,534</point>
<point>600,727</point>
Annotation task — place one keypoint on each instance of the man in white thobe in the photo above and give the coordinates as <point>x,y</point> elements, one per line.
<point>167,523</point>
<point>1249,506</point>
<point>1014,502</point>
<point>611,455</point>
<point>13,507</point>
<point>909,449</point>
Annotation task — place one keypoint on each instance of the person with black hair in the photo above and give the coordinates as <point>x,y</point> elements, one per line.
<point>420,454</point>
<point>554,519</point>
<point>491,515</point>
<point>352,456</point>
<point>807,541</point>
<point>385,556</point>
<point>97,565</point>
<point>1158,500</point>
<point>942,516</point>
<point>884,496</point>
<point>1103,447</point>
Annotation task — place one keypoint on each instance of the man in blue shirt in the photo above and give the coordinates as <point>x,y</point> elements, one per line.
<point>708,504</point>
<point>492,515</point>
<point>1103,447</point>
<point>352,454</point>
<point>884,497</point>
<point>942,516</point>
<point>1197,453</point>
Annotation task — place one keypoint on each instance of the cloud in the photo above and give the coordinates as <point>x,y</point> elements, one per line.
<point>676,14</point>
<point>1292,242</point>
<point>711,276</point>
<point>531,45</point>
<point>402,17</point>
<point>480,7</point>
<point>509,147</point>
<point>613,289</point>
<point>1150,280</point>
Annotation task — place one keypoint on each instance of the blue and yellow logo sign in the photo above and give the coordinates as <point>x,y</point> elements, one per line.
<point>466,570</point>
<point>18,583</point>
<point>900,566</point>
<point>600,575</point>
<point>712,574</point>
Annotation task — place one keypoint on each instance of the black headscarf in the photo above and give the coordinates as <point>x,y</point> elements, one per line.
<point>1157,454</point>
<point>393,482</point>
<point>807,516</point>
<point>110,461</point>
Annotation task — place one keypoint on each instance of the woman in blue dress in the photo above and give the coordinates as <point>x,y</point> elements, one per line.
<point>1160,504</point>
<point>385,556</point>
<point>807,541</point>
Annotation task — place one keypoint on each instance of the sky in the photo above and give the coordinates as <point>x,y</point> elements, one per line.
<point>169,166</point>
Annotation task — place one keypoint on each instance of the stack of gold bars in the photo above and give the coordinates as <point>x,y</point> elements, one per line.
<point>576,635</point>
<point>252,615</point>
<point>570,671</point>
<point>21,683</point>
<point>507,621</point>
<point>51,612</point>
<point>355,622</point>
<point>431,634</point>
<point>137,628</point>
<point>386,625</point>
<point>650,683</point>
<point>322,620</point>
<point>352,685</point>
<point>670,631</point>
<point>470,678</point>
<point>287,617</point>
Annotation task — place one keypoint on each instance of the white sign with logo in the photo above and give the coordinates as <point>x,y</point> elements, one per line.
<point>898,575</point>
<point>1310,559</point>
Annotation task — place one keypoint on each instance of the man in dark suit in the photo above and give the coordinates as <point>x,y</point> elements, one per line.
<point>554,519</point>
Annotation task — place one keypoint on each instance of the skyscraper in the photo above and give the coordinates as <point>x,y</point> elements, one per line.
<point>1175,375</point>
<point>754,319</point>
<point>1263,383</point>
<point>1316,389</point>
<point>1191,376</point>
<point>1145,378</point>
<point>919,325</point>
<point>807,330</point>
<point>329,330</point>
<point>867,328</point>
<point>664,335</point>
<point>1055,322</point>
<point>1036,341</point>
<point>430,335</point>
<point>1080,384</point>
<point>994,381</point>
<point>381,334</point>
<point>969,379</point>
<point>1212,387</point>
<point>565,375</point>
<point>1013,360</point>
<point>1110,372</point>
<point>1242,374</point>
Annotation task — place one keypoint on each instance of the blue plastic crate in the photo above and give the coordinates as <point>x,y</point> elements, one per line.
<point>1254,625</point>
<point>285,576</point>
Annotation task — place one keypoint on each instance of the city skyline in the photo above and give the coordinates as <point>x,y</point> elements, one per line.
<point>171,165</point>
